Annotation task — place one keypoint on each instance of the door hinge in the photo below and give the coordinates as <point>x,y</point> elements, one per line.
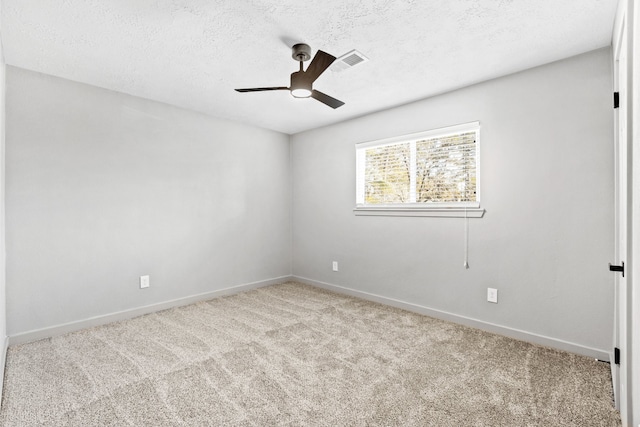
<point>616,356</point>
<point>618,268</point>
<point>616,99</point>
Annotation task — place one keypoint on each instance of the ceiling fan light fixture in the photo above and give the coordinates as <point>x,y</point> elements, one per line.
<point>300,93</point>
<point>300,86</point>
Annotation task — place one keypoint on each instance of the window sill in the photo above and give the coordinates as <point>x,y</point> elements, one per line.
<point>433,212</point>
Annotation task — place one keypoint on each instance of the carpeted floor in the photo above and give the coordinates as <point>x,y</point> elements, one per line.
<point>294,355</point>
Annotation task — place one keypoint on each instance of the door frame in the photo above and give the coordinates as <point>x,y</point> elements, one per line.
<point>619,372</point>
<point>633,315</point>
<point>627,378</point>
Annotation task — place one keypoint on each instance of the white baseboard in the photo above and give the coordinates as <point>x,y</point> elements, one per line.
<point>467,321</point>
<point>57,330</point>
<point>438,314</point>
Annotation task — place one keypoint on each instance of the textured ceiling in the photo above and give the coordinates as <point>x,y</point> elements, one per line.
<point>193,53</point>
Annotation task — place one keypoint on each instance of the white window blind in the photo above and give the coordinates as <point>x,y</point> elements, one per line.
<point>438,168</point>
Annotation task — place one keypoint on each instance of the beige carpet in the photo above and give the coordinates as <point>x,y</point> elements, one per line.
<point>294,355</point>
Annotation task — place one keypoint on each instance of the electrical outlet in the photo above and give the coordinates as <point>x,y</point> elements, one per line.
<point>144,282</point>
<point>335,265</point>
<point>492,295</point>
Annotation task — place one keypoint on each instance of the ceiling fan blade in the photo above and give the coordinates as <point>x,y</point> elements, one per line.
<point>326,99</point>
<point>261,89</point>
<point>319,63</point>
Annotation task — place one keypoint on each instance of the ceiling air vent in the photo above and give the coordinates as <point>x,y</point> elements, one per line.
<point>348,60</point>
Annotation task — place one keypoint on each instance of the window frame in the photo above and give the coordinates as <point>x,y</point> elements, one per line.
<point>439,209</point>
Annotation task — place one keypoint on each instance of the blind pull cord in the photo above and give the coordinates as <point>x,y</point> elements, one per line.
<point>466,239</point>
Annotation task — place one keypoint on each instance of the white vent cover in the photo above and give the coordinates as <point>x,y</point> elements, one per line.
<point>348,60</point>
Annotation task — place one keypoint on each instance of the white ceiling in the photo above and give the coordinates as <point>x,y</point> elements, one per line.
<point>193,53</point>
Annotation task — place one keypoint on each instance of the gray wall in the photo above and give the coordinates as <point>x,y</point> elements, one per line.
<point>547,187</point>
<point>103,187</point>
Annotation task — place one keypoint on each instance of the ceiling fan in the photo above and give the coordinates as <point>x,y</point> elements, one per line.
<point>302,81</point>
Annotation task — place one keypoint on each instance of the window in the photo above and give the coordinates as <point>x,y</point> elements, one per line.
<point>433,173</point>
